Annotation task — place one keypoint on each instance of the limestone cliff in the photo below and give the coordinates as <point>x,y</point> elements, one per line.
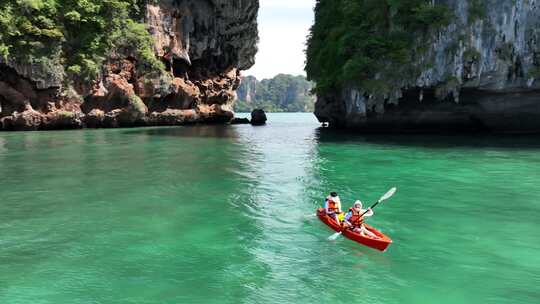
<point>477,71</point>
<point>247,90</point>
<point>201,46</point>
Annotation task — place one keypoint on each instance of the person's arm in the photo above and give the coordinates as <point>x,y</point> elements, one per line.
<point>326,206</point>
<point>369,212</point>
<point>348,217</point>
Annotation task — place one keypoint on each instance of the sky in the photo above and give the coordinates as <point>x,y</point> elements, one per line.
<point>283,28</point>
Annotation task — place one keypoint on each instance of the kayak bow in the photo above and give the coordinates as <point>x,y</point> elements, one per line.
<point>381,243</point>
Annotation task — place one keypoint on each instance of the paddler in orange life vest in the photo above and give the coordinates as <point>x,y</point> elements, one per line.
<point>355,221</point>
<point>332,206</point>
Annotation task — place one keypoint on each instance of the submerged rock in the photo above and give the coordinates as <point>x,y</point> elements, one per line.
<point>258,117</point>
<point>239,121</point>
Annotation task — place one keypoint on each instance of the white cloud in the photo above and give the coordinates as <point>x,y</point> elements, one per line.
<point>283,28</point>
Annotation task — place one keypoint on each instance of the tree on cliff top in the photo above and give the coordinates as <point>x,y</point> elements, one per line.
<point>77,34</point>
<point>354,40</point>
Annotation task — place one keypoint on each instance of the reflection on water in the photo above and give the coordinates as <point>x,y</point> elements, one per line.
<point>330,135</point>
<point>108,213</point>
<point>195,131</point>
<point>2,145</point>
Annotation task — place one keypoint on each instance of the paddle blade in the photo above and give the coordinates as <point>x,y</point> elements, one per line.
<point>310,216</point>
<point>334,236</point>
<point>388,194</point>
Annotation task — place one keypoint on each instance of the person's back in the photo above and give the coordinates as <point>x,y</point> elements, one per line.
<point>332,206</point>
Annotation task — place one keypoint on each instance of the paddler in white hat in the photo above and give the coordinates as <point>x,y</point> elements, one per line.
<point>354,219</point>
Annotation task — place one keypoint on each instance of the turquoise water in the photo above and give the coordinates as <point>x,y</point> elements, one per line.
<point>212,214</point>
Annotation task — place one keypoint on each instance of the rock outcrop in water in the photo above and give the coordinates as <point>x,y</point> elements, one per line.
<point>470,65</point>
<point>258,117</point>
<point>202,46</point>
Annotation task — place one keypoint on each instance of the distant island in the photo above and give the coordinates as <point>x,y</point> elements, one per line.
<point>283,93</point>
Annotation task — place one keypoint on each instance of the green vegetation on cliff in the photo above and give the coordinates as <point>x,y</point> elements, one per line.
<point>365,41</point>
<point>283,93</point>
<point>79,35</point>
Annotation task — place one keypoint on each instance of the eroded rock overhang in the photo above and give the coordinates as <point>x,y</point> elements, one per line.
<point>478,73</point>
<point>203,45</point>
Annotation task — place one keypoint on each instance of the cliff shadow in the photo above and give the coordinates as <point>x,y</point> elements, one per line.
<point>435,141</point>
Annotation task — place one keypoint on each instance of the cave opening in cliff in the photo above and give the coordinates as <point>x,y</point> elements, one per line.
<point>179,68</point>
<point>7,108</point>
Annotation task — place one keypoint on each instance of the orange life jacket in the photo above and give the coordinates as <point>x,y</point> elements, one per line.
<point>332,206</point>
<point>356,219</point>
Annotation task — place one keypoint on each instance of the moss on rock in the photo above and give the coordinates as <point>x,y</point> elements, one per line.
<point>136,104</point>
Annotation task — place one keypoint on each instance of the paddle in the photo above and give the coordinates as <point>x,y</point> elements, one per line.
<point>388,195</point>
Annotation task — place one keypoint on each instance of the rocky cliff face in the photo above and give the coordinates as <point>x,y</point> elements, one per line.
<point>247,90</point>
<point>479,72</point>
<point>203,45</point>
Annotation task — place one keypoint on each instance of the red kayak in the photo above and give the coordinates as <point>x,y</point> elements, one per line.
<point>380,244</point>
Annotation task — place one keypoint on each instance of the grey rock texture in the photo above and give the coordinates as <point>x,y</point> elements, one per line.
<point>247,90</point>
<point>204,45</point>
<point>480,73</point>
<point>216,33</point>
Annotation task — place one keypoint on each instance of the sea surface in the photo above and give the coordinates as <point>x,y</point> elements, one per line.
<point>214,214</point>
